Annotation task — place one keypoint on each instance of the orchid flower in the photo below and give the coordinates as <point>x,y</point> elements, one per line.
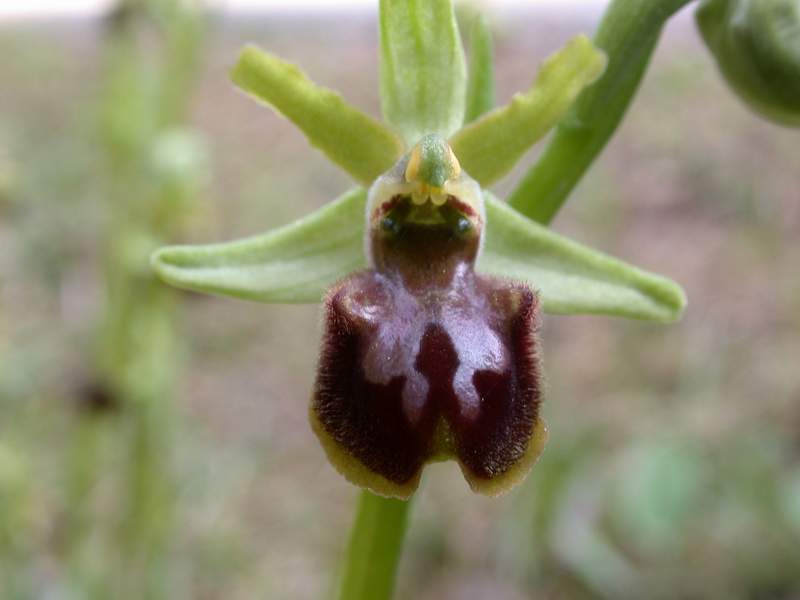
<point>433,288</point>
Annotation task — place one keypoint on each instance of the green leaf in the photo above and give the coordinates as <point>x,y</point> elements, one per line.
<point>480,83</point>
<point>572,278</point>
<point>292,264</point>
<point>423,75</point>
<point>359,144</point>
<point>299,262</point>
<point>490,147</point>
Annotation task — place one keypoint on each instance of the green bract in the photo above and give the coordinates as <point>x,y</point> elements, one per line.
<point>423,83</point>
<point>480,84</point>
<point>757,47</point>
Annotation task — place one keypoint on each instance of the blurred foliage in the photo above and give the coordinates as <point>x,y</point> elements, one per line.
<point>145,168</point>
<point>673,465</point>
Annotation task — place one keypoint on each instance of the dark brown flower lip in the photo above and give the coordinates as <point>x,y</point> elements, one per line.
<point>410,376</point>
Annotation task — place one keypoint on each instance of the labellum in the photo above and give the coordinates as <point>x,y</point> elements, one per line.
<point>423,359</point>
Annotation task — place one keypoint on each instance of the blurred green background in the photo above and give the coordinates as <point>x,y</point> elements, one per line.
<point>165,453</point>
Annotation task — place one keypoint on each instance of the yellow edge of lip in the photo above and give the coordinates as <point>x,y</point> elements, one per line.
<point>358,474</point>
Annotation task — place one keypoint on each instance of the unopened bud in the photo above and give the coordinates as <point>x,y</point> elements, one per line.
<point>757,47</point>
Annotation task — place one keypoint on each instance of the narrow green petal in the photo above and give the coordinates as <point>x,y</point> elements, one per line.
<point>423,74</point>
<point>480,83</point>
<point>359,144</point>
<point>490,147</point>
<point>570,277</point>
<point>293,264</point>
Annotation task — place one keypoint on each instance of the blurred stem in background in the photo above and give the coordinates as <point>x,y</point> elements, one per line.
<point>628,33</point>
<point>151,169</point>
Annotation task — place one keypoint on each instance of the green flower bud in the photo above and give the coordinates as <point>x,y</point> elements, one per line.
<point>757,46</point>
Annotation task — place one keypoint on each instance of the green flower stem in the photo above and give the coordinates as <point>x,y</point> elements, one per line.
<point>373,553</point>
<point>628,33</point>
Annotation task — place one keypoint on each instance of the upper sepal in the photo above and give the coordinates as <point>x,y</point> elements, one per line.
<point>423,72</point>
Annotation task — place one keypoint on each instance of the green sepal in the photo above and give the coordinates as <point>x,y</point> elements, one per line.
<point>299,262</point>
<point>573,278</point>
<point>423,72</point>
<point>490,147</point>
<point>361,145</point>
<point>296,263</point>
<point>480,81</point>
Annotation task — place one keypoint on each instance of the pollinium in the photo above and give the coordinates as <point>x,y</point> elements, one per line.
<point>422,358</point>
